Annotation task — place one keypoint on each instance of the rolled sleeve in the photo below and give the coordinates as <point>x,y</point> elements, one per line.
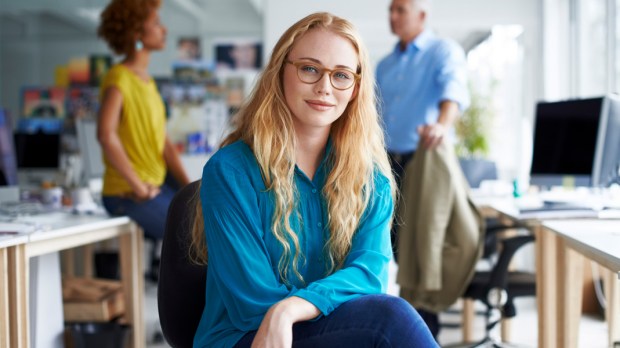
<point>452,75</point>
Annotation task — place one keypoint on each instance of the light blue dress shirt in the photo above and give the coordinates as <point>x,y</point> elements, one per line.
<point>243,279</point>
<point>412,83</point>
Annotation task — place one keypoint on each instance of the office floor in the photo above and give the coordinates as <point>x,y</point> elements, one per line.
<point>593,331</point>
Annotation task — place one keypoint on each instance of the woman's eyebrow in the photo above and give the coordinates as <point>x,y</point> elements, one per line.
<point>319,62</point>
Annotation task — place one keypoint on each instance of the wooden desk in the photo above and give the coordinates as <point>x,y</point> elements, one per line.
<point>597,240</point>
<point>546,250</point>
<point>6,244</point>
<point>67,231</point>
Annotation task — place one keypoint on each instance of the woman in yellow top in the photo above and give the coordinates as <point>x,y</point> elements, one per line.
<point>132,122</point>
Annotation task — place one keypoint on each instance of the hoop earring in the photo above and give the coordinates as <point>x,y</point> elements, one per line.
<point>139,45</point>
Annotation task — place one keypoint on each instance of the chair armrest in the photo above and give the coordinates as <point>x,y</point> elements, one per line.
<point>499,273</point>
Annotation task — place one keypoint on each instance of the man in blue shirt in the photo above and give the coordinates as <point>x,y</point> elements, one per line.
<point>422,88</point>
<point>422,85</point>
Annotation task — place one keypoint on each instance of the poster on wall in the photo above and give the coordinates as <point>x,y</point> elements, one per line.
<point>78,71</point>
<point>189,66</point>
<point>238,54</point>
<point>43,109</point>
<point>99,65</point>
<point>188,49</point>
<point>43,102</point>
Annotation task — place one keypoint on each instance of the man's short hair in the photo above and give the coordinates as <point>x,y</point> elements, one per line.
<point>425,5</point>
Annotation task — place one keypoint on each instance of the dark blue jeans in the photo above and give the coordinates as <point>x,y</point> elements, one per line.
<point>150,215</point>
<point>368,321</point>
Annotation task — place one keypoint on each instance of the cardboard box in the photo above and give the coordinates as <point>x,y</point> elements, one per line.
<point>90,299</point>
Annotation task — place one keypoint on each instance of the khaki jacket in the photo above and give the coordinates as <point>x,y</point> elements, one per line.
<point>441,232</point>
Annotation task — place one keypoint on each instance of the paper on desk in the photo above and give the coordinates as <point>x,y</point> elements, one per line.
<point>16,228</point>
<point>609,214</point>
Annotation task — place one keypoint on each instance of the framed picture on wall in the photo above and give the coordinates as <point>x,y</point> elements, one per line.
<point>43,102</point>
<point>99,64</point>
<point>238,54</point>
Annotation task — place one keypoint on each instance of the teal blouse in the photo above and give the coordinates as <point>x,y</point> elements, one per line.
<point>243,280</point>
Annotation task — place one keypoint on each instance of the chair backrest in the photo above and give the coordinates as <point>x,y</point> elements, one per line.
<point>181,292</point>
<point>477,170</point>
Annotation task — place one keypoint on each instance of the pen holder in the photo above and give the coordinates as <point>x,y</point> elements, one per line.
<point>52,197</point>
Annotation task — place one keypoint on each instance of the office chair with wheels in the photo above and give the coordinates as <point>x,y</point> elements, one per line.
<point>498,288</point>
<point>182,284</point>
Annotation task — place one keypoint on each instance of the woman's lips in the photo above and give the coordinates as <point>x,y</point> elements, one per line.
<point>319,105</point>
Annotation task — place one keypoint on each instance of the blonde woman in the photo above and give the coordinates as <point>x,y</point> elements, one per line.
<point>297,207</point>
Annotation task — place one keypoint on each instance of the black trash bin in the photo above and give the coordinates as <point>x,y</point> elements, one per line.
<point>107,265</point>
<point>98,335</point>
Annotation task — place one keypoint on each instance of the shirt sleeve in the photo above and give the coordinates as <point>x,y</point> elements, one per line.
<point>114,78</point>
<point>365,270</point>
<point>238,261</point>
<point>452,74</point>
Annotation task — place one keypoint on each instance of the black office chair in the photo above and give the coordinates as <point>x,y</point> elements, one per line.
<point>181,289</point>
<point>498,288</point>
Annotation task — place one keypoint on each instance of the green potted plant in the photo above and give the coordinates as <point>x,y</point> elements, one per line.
<point>473,131</point>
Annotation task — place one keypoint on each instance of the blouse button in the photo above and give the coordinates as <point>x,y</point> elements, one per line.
<point>319,224</point>
<point>313,190</point>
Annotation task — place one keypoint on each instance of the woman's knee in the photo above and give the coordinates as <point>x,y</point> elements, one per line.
<point>390,307</point>
<point>399,321</point>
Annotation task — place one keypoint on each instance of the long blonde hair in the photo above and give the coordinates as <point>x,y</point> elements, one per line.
<point>265,123</point>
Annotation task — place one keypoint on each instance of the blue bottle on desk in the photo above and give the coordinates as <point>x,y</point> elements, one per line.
<point>516,193</point>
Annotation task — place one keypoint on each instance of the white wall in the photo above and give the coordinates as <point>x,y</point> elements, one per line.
<point>369,16</point>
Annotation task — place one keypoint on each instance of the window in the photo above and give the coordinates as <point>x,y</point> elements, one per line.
<point>592,51</point>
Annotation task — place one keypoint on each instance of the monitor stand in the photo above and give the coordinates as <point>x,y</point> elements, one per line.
<point>30,179</point>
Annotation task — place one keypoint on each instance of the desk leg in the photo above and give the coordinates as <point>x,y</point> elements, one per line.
<point>68,262</point>
<point>4,299</point>
<point>612,311</point>
<point>570,294</point>
<point>131,253</point>
<point>468,319</point>
<point>18,294</point>
<point>88,254</point>
<point>506,329</point>
<point>546,289</point>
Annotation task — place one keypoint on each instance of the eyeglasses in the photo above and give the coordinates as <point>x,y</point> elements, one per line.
<point>310,73</point>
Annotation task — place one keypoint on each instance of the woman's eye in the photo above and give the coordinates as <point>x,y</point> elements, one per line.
<point>310,69</point>
<point>344,75</point>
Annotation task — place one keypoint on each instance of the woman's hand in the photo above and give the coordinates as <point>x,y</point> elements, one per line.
<point>145,192</point>
<point>276,329</point>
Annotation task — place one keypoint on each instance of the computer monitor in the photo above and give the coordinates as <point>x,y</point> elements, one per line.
<point>38,158</point>
<point>37,150</point>
<point>90,149</point>
<point>565,137</point>
<point>607,159</point>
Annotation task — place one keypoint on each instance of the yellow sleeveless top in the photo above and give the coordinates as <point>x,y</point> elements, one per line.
<point>141,129</point>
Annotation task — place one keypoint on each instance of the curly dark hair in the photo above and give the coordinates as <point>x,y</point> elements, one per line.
<point>122,20</point>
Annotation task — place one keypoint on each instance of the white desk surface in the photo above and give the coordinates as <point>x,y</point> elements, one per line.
<point>599,240</point>
<point>12,240</point>
<point>57,224</point>
<point>510,207</point>
<point>54,225</point>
